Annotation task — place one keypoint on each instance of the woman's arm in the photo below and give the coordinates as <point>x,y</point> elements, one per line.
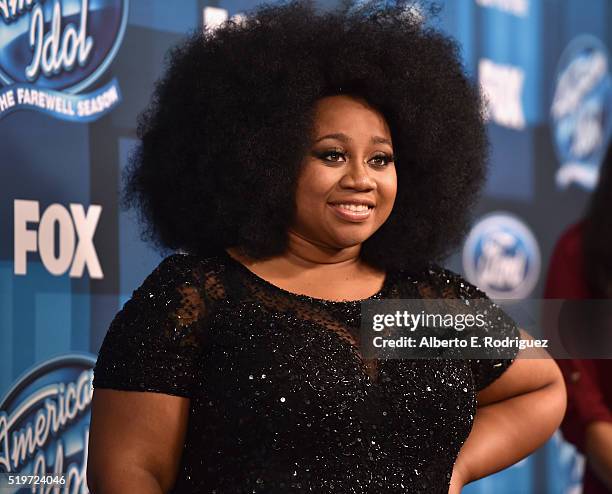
<point>598,448</point>
<point>516,414</point>
<point>588,420</point>
<point>135,441</point>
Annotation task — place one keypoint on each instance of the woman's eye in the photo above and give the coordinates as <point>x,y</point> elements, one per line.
<point>333,154</point>
<point>382,160</point>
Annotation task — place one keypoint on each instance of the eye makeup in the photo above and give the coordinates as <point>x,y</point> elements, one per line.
<point>323,155</point>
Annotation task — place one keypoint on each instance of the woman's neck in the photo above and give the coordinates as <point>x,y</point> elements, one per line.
<point>307,267</point>
<point>303,255</point>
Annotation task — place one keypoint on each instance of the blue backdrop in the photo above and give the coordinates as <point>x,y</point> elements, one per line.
<point>69,258</point>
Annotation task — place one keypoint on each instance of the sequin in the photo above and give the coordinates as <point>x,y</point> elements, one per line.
<point>280,399</point>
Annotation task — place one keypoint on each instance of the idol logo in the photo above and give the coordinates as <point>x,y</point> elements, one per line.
<point>501,256</point>
<point>51,50</point>
<point>44,424</point>
<point>580,111</point>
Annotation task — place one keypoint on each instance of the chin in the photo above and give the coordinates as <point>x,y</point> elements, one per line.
<point>353,235</point>
<point>344,241</point>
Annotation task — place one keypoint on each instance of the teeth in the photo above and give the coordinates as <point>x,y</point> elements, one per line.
<point>354,207</point>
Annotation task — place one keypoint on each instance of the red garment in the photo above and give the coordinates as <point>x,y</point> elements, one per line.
<point>589,383</point>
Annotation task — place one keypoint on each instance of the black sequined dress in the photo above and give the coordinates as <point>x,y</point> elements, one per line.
<point>281,400</point>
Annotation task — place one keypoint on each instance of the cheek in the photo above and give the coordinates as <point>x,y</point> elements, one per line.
<point>306,205</point>
<point>313,188</point>
<point>388,188</point>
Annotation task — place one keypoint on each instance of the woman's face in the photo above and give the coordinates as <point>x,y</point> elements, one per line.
<point>348,183</point>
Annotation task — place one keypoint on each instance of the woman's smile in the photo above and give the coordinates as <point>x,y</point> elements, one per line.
<point>356,212</point>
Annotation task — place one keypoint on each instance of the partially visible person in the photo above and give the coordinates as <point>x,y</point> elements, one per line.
<point>581,268</point>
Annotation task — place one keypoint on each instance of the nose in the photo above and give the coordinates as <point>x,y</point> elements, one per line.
<point>358,177</point>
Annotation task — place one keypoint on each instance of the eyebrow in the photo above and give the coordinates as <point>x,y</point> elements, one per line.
<point>344,138</point>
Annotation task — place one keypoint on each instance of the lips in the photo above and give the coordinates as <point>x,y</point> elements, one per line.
<point>356,200</point>
<point>355,212</point>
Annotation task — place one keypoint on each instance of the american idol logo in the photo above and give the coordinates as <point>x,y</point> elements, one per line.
<point>51,50</point>
<point>580,111</point>
<point>501,256</point>
<point>44,424</point>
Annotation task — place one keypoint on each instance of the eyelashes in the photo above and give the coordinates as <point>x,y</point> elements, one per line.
<point>387,158</point>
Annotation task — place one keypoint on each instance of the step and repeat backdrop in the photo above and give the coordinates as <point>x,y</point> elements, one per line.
<point>74,74</point>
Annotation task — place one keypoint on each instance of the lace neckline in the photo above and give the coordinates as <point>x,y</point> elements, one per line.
<point>258,279</point>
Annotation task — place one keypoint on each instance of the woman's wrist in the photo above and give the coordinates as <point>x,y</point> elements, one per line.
<point>459,479</point>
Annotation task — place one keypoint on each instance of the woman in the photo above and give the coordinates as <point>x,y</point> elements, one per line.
<point>306,162</point>
<point>581,269</point>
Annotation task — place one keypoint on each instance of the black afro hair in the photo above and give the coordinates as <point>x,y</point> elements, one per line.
<point>230,121</point>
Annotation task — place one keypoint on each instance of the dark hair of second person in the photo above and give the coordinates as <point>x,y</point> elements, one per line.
<point>597,235</point>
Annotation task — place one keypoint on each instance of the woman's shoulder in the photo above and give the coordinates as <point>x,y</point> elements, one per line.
<point>182,287</point>
<point>436,281</point>
<point>180,269</point>
<point>184,264</point>
<point>155,341</point>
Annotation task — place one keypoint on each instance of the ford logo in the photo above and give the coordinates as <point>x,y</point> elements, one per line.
<point>501,256</point>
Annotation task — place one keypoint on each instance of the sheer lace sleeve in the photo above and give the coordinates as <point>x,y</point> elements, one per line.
<point>155,341</point>
<point>498,325</point>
